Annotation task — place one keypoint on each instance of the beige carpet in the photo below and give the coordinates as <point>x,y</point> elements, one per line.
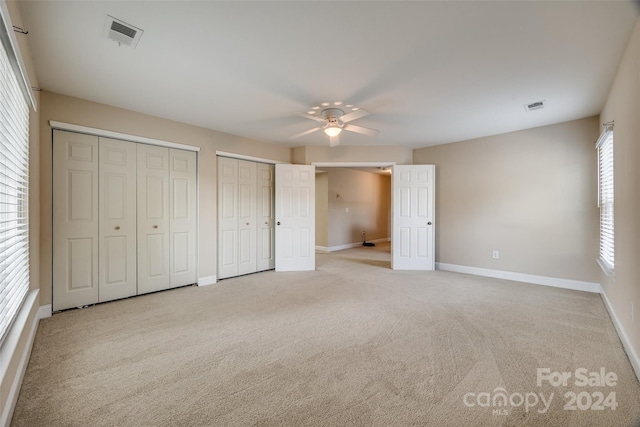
<point>353,343</point>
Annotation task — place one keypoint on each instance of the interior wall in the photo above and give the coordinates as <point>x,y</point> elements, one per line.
<point>322,201</point>
<point>623,106</point>
<point>531,195</point>
<point>358,201</point>
<point>86,113</point>
<point>352,153</point>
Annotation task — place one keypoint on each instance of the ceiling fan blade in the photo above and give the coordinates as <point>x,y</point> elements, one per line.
<point>334,140</point>
<point>362,130</point>
<point>354,115</point>
<point>309,116</point>
<point>306,132</point>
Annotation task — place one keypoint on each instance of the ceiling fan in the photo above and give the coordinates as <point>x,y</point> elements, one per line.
<point>334,121</point>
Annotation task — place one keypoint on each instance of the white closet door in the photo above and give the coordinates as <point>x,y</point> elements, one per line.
<point>227,217</point>
<point>182,176</point>
<point>247,217</point>
<point>265,210</point>
<point>75,220</point>
<point>153,218</point>
<point>117,220</point>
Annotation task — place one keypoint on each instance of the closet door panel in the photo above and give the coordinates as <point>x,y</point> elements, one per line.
<point>183,226</point>
<point>117,220</point>
<point>75,220</point>
<point>153,218</point>
<point>227,217</point>
<point>265,222</point>
<point>247,217</point>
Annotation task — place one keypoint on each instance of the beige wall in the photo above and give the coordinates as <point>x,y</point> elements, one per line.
<point>10,357</point>
<point>623,106</point>
<point>322,200</point>
<point>355,153</point>
<point>531,195</point>
<point>367,196</point>
<point>81,112</point>
<point>299,155</point>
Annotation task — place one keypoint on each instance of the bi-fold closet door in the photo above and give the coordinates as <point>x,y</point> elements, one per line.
<point>245,217</point>
<point>124,219</point>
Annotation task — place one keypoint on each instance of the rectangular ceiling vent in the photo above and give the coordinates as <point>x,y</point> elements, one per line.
<point>539,105</point>
<point>121,32</point>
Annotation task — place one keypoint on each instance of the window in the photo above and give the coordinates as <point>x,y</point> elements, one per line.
<point>605,200</point>
<point>14,182</point>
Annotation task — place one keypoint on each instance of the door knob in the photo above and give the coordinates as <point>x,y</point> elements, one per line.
<point>117,227</point>
<point>155,226</point>
<point>278,223</point>
<point>266,223</point>
<point>429,223</point>
<point>246,223</point>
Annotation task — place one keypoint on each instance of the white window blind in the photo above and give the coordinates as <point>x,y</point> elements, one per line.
<point>14,173</point>
<point>605,200</point>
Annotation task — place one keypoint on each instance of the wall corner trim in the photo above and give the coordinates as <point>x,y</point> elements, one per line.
<point>626,343</point>
<point>207,280</point>
<point>44,311</point>
<point>555,282</point>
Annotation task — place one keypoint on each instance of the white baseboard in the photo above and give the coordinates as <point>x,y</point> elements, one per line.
<point>207,280</point>
<point>555,282</point>
<point>44,311</point>
<point>626,343</point>
<point>10,346</point>
<point>325,249</point>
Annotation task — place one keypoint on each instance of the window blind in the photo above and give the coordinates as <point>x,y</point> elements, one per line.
<point>605,199</point>
<point>14,184</point>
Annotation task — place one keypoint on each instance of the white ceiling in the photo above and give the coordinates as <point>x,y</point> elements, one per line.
<point>429,72</point>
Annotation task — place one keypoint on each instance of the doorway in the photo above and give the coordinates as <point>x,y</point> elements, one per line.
<point>353,205</point>
<point>412,210</point>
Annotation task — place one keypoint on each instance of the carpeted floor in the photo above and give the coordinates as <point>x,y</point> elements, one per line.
<point>353,343</point>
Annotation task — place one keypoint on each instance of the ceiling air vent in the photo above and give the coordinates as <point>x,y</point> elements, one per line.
<point>121,32</point>
<point>539,105</point>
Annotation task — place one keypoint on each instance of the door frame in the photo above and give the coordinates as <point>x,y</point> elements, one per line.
<point>353,164</point>
<point>249,158</point>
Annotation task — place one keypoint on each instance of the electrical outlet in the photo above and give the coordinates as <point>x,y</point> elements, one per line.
<point>496,254</point>
<point>346,210</point>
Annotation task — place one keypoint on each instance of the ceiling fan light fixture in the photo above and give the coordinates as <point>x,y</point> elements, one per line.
<point>333,129</point>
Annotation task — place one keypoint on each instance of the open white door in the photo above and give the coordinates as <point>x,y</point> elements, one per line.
<point>412,223</point>
<point>295,217</point>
